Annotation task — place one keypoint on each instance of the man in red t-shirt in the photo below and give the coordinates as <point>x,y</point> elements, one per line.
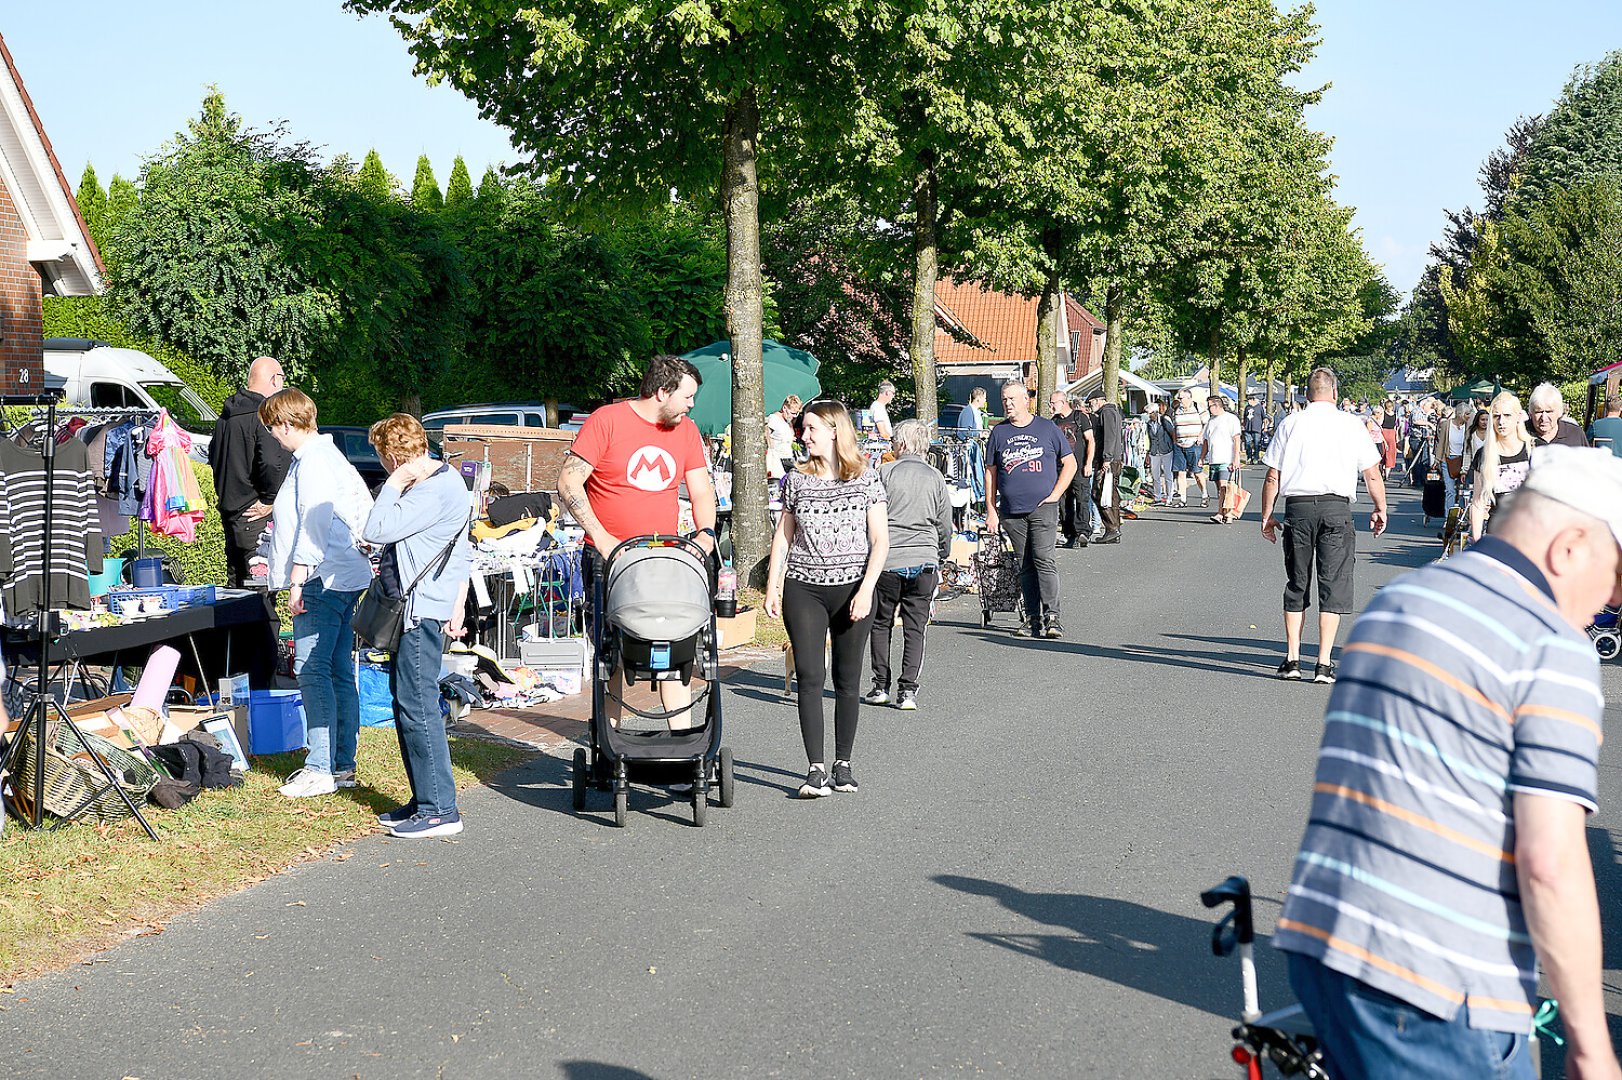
<point>621,476</point>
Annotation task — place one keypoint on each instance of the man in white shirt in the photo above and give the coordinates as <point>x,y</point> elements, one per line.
<point>1221,439</point>
<point>780,438</point>
<point>1313,462</point>
<point>880,408</point>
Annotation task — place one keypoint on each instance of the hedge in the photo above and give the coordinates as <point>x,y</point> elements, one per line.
<point>87,317</point>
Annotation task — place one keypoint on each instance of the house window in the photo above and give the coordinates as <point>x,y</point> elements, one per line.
<point>1076,362</point>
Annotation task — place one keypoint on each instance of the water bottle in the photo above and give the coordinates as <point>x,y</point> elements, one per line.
<point>726,591</point>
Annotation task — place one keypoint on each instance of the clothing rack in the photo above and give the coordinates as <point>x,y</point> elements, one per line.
<point>47,628</point>
<point>111,414</point>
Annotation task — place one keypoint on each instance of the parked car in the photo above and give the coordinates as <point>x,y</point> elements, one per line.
<point>505,413</point>
<point>353,443</point>
<point>96,375</point>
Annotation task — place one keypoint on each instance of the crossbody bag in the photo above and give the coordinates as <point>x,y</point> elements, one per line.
<point>380,619</point>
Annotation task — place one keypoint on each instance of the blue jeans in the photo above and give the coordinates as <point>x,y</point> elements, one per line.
<point>324,661</point>
<point>1368,1033</point>
<point>414,682</point>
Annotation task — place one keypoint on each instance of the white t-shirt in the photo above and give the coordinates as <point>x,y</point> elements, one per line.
<point>1219,433</point>
<point>1320,451</point>
<point>779,444</point>
<point>881,419</point>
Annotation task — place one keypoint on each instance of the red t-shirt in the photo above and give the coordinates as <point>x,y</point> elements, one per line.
<point>636,468</point>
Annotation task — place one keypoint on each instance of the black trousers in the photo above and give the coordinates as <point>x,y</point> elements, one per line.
<point>813,614</point>
<point>241,541</point>
<point>1107,493</point>
<point>1319,536</point>
<point>911,595</point>
<point>1035,536</point>
<point>1076,507</point>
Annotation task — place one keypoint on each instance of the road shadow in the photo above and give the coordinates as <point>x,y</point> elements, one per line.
<point>1141,948</point>
<point>597,1070</point>
<point>1221,662</point>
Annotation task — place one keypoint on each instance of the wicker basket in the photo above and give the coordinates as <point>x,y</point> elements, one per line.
<point>71,776</point>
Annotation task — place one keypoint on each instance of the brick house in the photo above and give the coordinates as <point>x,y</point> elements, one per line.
<point>45,248</point>
<point>1001,338</point>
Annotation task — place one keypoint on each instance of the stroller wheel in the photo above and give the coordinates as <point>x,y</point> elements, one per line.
<point>701,807</point>
<point>619,808</point>
<point>1608,645</point>
<point>578,778</point>
<point>724,770</point>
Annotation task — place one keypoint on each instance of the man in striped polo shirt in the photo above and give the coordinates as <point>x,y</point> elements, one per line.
<point>1445,854</point>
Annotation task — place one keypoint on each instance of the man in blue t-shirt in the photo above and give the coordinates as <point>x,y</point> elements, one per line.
<point>1029,466</point>
<point>1607,431</point>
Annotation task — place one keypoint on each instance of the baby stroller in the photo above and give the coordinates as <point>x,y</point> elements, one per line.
<point>652,601</point>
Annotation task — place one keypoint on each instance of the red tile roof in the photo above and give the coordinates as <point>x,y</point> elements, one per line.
<point>1002,326</point>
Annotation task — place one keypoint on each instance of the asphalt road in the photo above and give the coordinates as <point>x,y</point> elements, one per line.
<point>1014,891</point>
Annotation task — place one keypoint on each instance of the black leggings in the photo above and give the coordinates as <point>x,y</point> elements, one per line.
<point>811,613</point>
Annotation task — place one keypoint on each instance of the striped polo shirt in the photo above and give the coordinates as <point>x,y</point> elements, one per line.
<point>1461,684</point>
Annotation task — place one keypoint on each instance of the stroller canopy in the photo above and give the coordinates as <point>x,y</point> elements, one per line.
<point>658,593</point>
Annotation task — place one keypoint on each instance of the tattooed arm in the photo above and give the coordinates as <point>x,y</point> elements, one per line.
<point>572,493</point>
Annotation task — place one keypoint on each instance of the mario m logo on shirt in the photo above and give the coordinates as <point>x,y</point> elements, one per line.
<point>651,469</point>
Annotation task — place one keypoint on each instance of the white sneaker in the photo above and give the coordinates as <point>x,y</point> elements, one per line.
<point>307,782</point>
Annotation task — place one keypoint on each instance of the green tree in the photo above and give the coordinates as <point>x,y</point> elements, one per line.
<point>459,188</point>
<point>425,195</point>
<point>200,262</point>
<point>374,180</point>
<point>92,200</point>
<point>1580,139</point>
<point>492,188</point>
<point>626,101</point>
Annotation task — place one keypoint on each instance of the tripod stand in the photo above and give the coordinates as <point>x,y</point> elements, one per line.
<point>41,703</point>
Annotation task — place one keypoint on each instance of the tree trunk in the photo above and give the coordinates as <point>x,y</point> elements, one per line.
<point>1242,378</point>
<point>412,403</point>
<point>740,201</point>
<point>1047,327</point>
<point>926,204</point>
<point>1269,369</point>
<point>1114,321</point>
<point>1214,365</point>
<point>551,411</point>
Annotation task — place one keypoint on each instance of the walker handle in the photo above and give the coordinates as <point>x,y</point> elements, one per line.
<point>1235,890</point>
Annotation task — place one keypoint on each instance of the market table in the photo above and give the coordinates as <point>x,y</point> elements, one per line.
<point>228,637</point>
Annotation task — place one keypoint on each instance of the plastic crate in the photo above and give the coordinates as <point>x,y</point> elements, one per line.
<point>275,721</point>
<point>190,595</point>
<point>130,601</point>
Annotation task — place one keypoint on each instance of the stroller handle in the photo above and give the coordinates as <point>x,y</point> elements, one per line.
<point>1236,891</point>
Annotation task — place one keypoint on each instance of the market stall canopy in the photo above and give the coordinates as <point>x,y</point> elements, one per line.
<point>1094,379</point>
<point>1479,388</point>
<point>788,371</point>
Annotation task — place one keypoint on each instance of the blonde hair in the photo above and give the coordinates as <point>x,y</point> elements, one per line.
<point>1492,449</point>
<point>291,406</point>
<point>847,457</point>
<point>793,404</point>
<point>400,437</point>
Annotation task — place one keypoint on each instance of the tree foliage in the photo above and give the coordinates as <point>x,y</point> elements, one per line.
<point>425,194</point>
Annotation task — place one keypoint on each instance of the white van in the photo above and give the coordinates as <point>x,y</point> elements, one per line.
<point>96,375</point>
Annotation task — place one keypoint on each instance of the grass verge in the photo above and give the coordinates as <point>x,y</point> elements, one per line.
<point>73,892</point>
<point>767,631</point>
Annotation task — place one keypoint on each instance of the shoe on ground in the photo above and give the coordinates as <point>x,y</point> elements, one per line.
<point>1205,501</point>
<point>1324,673</point>
<point>1109,538</point>
<point>1218,519</point>
<point>1051,628</point>
<point>308,782</point>
<point>1290,669</point>
<point>876,696</point>
<point>844,779</point>
<point>1024,629</point>
<point>424,825</point>
<point>346,778</point>
<point>404,812</point>
<point>907,702</point>
<point>816,784</point>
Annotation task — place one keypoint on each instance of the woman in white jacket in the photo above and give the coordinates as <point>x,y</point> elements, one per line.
<point>314,554</point>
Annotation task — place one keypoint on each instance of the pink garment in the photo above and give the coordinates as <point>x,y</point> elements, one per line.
<point>175,506</point>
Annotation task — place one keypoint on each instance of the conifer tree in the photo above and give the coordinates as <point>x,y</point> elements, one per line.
<point>425,189</point>
<point>374,180</point>
<point>459,188</point>
<point>92,200</point>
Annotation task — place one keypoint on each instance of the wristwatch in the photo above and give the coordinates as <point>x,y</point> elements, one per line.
<point>710,531</point>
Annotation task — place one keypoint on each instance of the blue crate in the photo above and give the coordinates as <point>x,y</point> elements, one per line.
<point>276,721</point>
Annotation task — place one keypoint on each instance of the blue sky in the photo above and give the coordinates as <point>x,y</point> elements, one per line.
<point>1422,90</point>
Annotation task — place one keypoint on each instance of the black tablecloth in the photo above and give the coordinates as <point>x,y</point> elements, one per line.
<point>235,634</point>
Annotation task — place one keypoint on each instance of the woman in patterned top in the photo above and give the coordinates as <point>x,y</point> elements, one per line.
<point>826,558</point>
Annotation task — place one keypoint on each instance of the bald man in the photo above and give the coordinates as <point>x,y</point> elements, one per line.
<point>248,465</point>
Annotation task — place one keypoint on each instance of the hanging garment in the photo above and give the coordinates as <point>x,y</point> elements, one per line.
<point>75,542</point>
<point>174,498</point>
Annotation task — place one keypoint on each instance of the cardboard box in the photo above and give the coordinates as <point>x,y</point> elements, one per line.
<point>93,716</point>
<point>738,630</point>
<point>963,551</point>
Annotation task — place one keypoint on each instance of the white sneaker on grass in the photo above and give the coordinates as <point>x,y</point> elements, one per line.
<point>307,782</point>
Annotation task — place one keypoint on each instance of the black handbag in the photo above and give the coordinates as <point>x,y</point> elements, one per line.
<point>379,619</point>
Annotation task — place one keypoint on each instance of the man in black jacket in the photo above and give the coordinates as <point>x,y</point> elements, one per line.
<point>1109,453</point>
<point>249,466</point>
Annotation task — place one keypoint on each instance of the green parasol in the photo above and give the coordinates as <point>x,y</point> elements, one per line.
<point>788,371</point>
